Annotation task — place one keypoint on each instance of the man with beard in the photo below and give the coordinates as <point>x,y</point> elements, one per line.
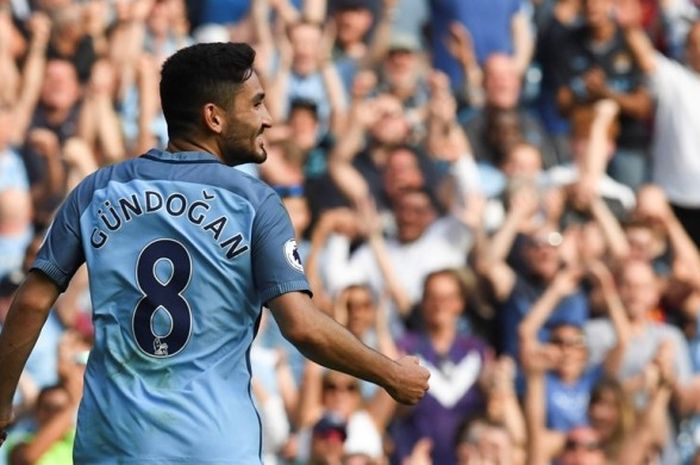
<point>182,252</point>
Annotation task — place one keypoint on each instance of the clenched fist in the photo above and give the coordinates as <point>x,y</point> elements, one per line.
<point>409,383</point>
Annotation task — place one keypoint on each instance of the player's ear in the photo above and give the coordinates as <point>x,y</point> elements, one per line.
<point>213,118</point>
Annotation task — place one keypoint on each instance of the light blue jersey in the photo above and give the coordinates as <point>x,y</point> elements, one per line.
<point>182,252</point>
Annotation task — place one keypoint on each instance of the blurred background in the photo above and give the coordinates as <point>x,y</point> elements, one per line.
<point>508,189</point>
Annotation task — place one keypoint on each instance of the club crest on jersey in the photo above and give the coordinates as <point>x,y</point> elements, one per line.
<point>291,252</point>
<point>160,348</point>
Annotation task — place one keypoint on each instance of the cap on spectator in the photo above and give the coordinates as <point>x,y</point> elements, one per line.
<point>404,43</point>
<point>329,425</point>
<point>300,103</point>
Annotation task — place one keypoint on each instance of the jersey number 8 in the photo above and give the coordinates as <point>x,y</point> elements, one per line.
<point>165,295</point>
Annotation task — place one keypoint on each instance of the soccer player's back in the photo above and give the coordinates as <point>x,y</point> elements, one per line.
<point>170,241</point>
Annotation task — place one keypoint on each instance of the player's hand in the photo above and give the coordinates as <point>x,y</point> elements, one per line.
<point>411,381</point>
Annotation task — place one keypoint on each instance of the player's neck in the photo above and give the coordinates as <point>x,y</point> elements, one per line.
<point>189,145</point>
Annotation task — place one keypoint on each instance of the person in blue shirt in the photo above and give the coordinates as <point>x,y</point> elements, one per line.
<point>559,377</point>
<point>494,27</point>
<point>182,252</point>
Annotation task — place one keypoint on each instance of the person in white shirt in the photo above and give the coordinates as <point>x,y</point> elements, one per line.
<point>676,87</point>
<point>424,242</point>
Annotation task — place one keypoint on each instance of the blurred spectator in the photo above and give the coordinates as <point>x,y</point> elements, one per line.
<point>596,63</point>
<point>336,225</point>
<point>482,441</point>
<point>676,139</point>
<point>15,202</point>
<point>166,29</point>
<point>298,154</point>
<point>647,242</point>
<point>305,71</point>
<point>537,259</point>
<point>501,123</point>
<point>60,100</point>
<point>298,159</point>
<point>522,161</point>
<point>559,382</point>
<point>455,361</point>
<point>500,27</point>
<point>55,120</point>
<point>402,73</point>
<point>593,134</point>
<point>353,20</point>
<point>637,444</point>
<point>70,40</point>
<point>582,447</point>
<point>423,243</point>
<point>99,125</point>
<point>356,167</point>
<point>611,415</point>
<point>357,309</point>
<point>667,23</point>
<point>53,440</point>
<point>56,408</point>
<point>23,91</point>
<point>328,436</point>
<point>562,18</point>
<point>659,237</point>
<point>639,295</point>
<point>332,395</point>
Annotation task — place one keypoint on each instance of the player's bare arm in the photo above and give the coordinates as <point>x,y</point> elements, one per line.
<point>324,341</point>
<point>23,324</point>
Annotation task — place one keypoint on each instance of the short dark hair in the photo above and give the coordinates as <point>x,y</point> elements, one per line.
<point>405,147</point>
<point>304,104</point>
<point>201,74</point>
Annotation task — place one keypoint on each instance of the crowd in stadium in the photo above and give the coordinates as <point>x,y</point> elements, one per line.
<point>508,189</point>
